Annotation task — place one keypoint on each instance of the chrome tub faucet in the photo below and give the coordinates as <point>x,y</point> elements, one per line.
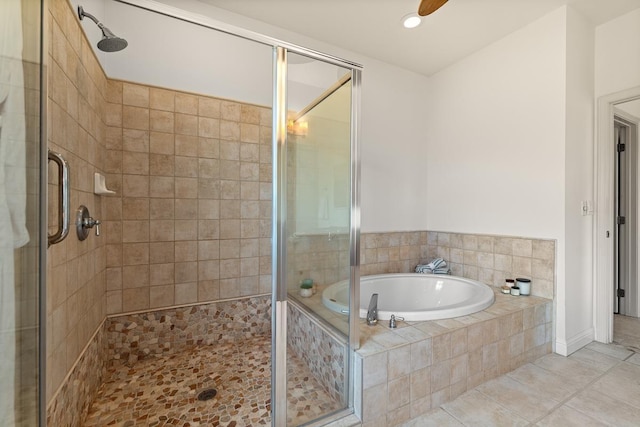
<point>372,312</point>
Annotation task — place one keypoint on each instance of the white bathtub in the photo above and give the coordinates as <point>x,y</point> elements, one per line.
<point>413,296</point>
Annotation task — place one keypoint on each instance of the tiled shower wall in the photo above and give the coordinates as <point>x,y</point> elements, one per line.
<point>75,270</point>
<point>191,218</point>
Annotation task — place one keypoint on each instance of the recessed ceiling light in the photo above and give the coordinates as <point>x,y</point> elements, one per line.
<point>411,20</point>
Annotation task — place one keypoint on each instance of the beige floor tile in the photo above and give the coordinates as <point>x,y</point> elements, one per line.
<point>434,418</point>
<point>475,409</point>
<point>565,416</point>
<point>621,383</point>
<point>605,409</point>
<point>617,351</point>
<point>518,398</point>
<point>544,382</point>
<point>635,359</point>
<point>573,371</point>
<point>626,325</point>
<point>598,360</point>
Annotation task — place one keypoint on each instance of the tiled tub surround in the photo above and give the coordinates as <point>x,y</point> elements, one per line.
<point>492,259</point>
<point>489,259</point>
<point>405,372</point>
<point>322,350</point>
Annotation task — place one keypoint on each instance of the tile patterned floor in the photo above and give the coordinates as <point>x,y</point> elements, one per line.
<point>626,332</point>
<point>162,391</point>
<point>598,385</point>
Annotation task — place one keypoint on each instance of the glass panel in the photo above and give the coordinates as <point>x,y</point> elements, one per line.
<point>318,214</point>
<point>20,27</point>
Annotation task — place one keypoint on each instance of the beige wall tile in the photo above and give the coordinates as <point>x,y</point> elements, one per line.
<point>135,253</point>
<point>161,209</point>
<point>230,110</point>
<point>161,121</point>
<point>135,163</point>
<point>135,118</point>
<point>186,293</point>
<point>161,296</point>
<point>161,99</point>
<point>162,252</point>
<point>187,145</point>
<point>185,103</point>
<point>187,187</point>
<point>162,274</point>
<point>186,272</point>
<point>135,95</point>
<point>135,276</point>
<point>161,143</point>
<point>186,124</point>
<point>161,164</point>
<point>135,299</point>
<point>161,186</point>
<point>208,290</point>
<point>208,107</point>
<point>250,114</point>
<point>186,209</point>
<point>186,251</point>
<point>135,140</point>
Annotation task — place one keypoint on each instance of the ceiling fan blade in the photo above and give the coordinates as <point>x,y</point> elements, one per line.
<point>427,7</point>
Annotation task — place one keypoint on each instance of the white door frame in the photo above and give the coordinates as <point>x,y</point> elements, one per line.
<point>604,220</point>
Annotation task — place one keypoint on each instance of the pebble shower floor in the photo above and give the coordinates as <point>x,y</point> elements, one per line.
<point>163,391</point>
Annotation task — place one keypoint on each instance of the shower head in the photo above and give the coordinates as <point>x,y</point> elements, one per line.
<point>110,42</point>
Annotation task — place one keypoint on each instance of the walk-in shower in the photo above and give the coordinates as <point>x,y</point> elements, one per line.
<point>235,182</point>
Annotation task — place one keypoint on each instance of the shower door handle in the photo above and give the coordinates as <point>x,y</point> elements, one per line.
<point>63,199</point>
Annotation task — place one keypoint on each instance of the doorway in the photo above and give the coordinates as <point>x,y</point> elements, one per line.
<point>615,251</point>
<point>625,255</point>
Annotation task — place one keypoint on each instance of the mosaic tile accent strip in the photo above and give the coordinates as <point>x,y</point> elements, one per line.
<point>136,336</point>
<point>163,390</point>
<point>71,403</point>
<point>324,354</point>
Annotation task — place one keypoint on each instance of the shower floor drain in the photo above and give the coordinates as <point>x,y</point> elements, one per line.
<point>207,394</point>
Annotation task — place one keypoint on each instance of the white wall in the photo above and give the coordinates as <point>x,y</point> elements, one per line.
<point>617,50</point>
<point>577,295</point>
<point>393,101</point>
<point>496,134</point>
<point>510,151</point>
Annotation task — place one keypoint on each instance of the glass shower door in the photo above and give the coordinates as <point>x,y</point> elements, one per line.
<point>20,261</point>
<point>316,241</point>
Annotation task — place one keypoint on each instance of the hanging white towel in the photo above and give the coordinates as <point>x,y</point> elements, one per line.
<point>12,192</point>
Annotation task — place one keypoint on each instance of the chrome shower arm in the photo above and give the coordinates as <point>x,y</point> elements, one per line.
<point>82,14</point>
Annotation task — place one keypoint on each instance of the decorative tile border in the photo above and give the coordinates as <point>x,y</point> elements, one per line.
<point>135,336</point>
<point>70,405</point>
<point>325,354</point>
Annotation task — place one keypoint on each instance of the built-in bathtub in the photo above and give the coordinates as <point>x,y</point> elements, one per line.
<point>413,297</point>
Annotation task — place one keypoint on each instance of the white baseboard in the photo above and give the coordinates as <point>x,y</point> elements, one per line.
<point>574,344</point>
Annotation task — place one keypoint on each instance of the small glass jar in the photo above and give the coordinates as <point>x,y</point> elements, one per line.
<point>515,291</point>
<point>509,282</point>
<point>524,285</point>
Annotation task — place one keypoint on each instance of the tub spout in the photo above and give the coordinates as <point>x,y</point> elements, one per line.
<point>372,312</point>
